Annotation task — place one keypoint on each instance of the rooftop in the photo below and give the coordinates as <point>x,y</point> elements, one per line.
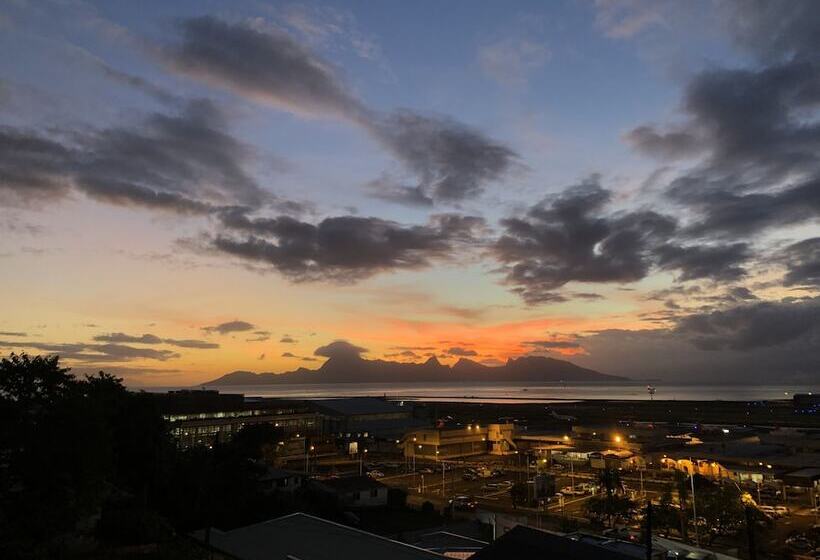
<point>303,536</point>
<point>526,542</point>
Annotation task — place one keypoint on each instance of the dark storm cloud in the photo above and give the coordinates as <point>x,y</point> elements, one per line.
<point>803,263</point>
<point>718,262</point>
<point>756,325</point>
<point>229,327</point>
<point>450,160</point>
<point>183,162</point>
<point>571,237</point>
<point>346,247</point>
<point>154,339</point>
<point>457,351</point>
<point>339,349</point>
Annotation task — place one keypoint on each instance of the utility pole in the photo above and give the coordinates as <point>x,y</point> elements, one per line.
<point>640,472</point>
<point>649,530</point>
<point>694,506</point>
<point>750,533</point>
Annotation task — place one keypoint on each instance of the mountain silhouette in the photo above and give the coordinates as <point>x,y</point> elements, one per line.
<point>355,369</point>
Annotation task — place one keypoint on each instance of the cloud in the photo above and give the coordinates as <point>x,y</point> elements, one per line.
<point>288,355</point>
<point>288,340</point>
<point>403,354</point>
<point>191,343</point>
<point>340,349</point>
<point>344,248</point>
<point>457,351</point>
<point>386,188</point>
<point>757,141</point>
<point>450,160</point>
<point>229,327</point>
<point>718,262</point>
<point>122,337</point>
<point>264,64</point>
<point>259,336</point>
<point>553,344</point>
<point>331,28</point>
<point>774,29</point>
<point>88,352</point>
<point>621,19</point>
<point>670,355</point>
<point>673,144</point>
<point>32,167</point>
<point>510,61</point>
<point>723,213</point>
<point>571,238</point>
<point>756,325</point>
<point>12,333</point>
<point>154,339</point>
<point>803,263</point>
<point>183,162</point>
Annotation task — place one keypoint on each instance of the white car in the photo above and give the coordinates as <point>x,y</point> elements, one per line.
<point>375,474</point>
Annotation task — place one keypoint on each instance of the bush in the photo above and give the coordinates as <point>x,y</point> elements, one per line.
<point>428,508</point>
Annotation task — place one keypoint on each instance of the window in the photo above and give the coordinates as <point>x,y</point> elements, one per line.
<point>374,493</point>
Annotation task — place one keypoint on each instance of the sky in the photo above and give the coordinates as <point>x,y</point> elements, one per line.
<point>192,188</point>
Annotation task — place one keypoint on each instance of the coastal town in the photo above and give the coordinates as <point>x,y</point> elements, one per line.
<point>585,470</point>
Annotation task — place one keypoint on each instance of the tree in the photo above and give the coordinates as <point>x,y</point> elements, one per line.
<point>665,514</point>
<point>613,504</point>
<point>609,509</point>
<point>69,444</point>
<point>519,494</point>
<point>722,508</point>
<point>610,480</point>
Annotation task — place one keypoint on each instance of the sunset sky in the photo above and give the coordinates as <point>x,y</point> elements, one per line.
<point>192,188</point>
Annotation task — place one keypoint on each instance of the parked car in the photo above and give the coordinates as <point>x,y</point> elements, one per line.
<point>463,503</point>
<point>469,476</point>
<point>426,470</point>
<point>375,474</point>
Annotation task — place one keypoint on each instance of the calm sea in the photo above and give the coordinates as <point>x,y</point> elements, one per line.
<point>519,392</point>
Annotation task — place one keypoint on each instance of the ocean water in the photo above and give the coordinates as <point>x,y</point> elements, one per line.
<point>519,392</point>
